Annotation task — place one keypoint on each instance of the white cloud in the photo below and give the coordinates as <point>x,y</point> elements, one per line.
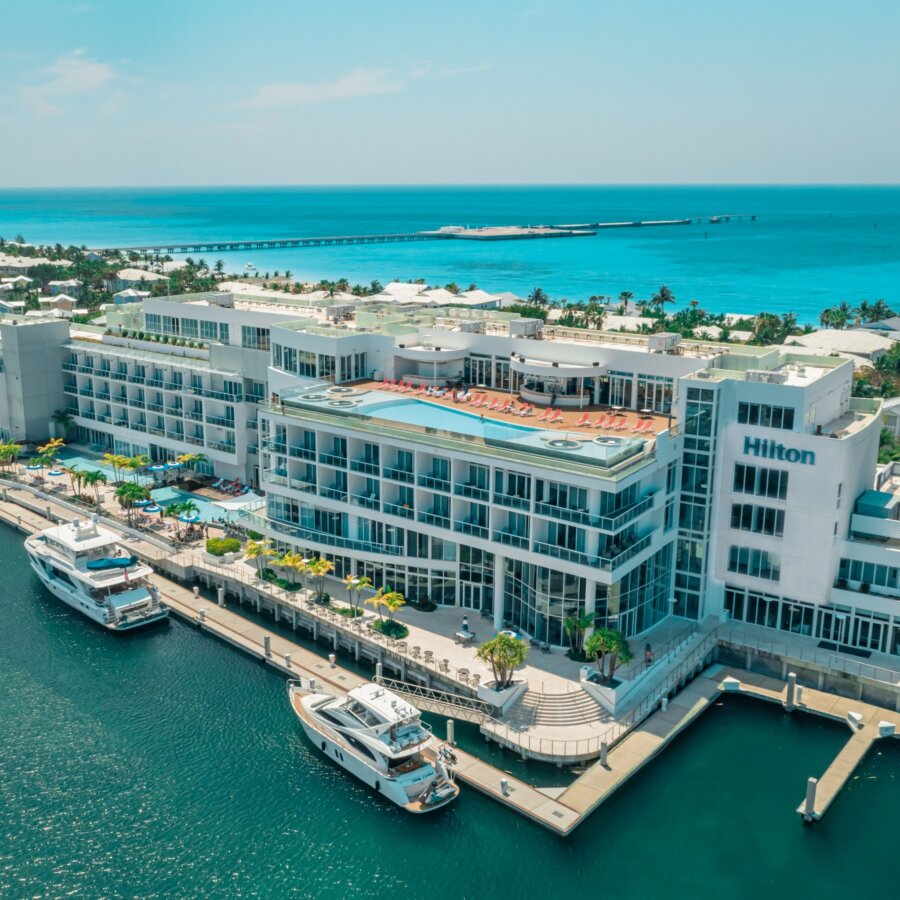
<point>70,76</point>
<point>356,83</point>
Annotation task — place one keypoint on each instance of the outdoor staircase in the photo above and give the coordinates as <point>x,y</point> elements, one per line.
<point>558,710</point>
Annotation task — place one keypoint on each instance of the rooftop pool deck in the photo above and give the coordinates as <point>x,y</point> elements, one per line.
<point>606,447</point>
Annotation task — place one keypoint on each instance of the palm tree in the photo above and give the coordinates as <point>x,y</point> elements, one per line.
<point>661,298</point>
<point>128,494</point>
<point>51,448</point>
<point>76,476</point>
<point>190,460</point>
<point>880,310</point>
<point>64,419</point>
<point>9,453</point>
<point>116,462</point>
<point>135,463</point>
<point>538,297</point>
<point>319,569</point>
<point>576,627</point>
<point>391,601</point>
<point>356,585</point>
<point>219,266</point>
<point>610,649</point>
<point>188,508</point>
<point>259,551</point>
<point>93,478</point>
<point>503,654</point>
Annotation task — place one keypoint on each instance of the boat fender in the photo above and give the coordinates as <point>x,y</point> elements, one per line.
<point>377,785</point>
<point>323,745</point>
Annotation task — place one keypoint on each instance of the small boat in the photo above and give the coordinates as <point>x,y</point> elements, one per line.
<point>90,569</point>
<point>249,266</point>
<point>380,738</point>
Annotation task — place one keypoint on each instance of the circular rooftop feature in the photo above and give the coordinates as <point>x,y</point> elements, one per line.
<point>563,444</point>
<point>341,390</point>
<point>342,404</point>
<point>314,396</point>
<point>610,441</point>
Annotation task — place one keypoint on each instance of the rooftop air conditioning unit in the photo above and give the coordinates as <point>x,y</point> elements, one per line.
<point>474,326</point>
<point>664,342</point>
<point>525,328</point>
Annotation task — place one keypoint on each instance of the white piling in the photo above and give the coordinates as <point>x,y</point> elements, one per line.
<point>379,672</point>
<point>267,646</point>
<point>451,732</point>
<point>221,596</point>
<point>196,591</point>
<point>504,787</point>
<point>809,806</point>
<point>604,750</point>
<point>287,660</point>
<point>332,659</point>
<point>202,615</point>
<point>791,690</point>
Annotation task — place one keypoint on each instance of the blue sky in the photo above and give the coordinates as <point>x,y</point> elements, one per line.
<point>298,92</point>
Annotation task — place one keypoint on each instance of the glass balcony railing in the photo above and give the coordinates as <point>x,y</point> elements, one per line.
<point>473,528</point>
<point>222,446</point>
<point>365,500</point>
<point>472,491</point>
<point>364,465</point>
<point>433,518</point>
<point>194,439</point>
<point>612,562</point>
<point>333,493</point>
<point>511,539</point>
<point>314,536</point>
<point>220,421</point>
<point>333,459</point>
<point>434,484</point>
<point>299,452</point>
<point>511,501</point>
<point>195,414</point>
<point>403,475</point>
<point>405,511</point>
<point>567,553</point>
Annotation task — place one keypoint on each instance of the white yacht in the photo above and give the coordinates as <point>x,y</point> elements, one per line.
<point>90,568</point>
<point>380,738</point>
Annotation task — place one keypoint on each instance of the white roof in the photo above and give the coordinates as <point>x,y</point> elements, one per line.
<point>834,340</point>
<point>132,292</point>
<point>438,295</point>
<point>69,282</point>
<point>19,279</point>
<point>478,294</point>
<point>402,289</point>
<point>626,323</point>
<point>88,536</point>
<point>26,262</point>
<point>385,704</point>
<point>138,274</point>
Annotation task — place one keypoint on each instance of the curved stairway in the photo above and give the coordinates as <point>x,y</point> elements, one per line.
<point>560,710</point>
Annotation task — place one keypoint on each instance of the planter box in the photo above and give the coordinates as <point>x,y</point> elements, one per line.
<point>502,700</point>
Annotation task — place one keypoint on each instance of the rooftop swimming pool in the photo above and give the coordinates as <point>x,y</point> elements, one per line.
<point>410,411</point>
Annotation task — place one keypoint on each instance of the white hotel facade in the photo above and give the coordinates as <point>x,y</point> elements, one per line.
<point>753,496</point>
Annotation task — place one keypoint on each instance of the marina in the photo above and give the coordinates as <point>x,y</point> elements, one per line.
<point>558,811</point>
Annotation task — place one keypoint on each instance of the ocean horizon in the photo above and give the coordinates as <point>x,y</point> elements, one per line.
<point>810,246</point>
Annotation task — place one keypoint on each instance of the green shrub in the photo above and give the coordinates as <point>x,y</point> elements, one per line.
<point>348,613</point>
<point>254,535</point>
<point>393,629</point>
<point>221,546</point>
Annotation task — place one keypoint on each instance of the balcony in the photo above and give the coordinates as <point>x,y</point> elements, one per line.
<point>273,478</point>
<point>366,500</point>
<point>253,424</point>
<point>221,446</point>
<point>216,395</point>
<point>220,421</point>
<point>71,389</point>
<point>610,563</point>
<point>85,392</point>
<point>194,439</point>
<point>135,379</point>
<point>275,446</point>
<point>88,414</point>
<point>174,411</point>
<point>433,518</point>
<point>434,484</point>
<point>70,367</point>
<point>103,418</point>
<point>472,491</point>
<point>395,509</point>
<point>314,536</point>
<point>154,382</point>
<point>138,426</point>
<point>473,528</point>
<point>403,475</point>
<point>364,465</point>
<point>175,435</point>
<point>511,539</point>
<point>575,556</point>
<point>629,514</point>
<point>332,459</point>
<point>122,423</point>
<point>103,395</point>
<point>155,407</point>
<point>137,404</point>
<point>118,376</point>
<point>300,484</point>
<point>155,429</point>
<point>172,386</point>
<point>297,452</point>
<point>195,414</point>
<point>512,501</point>
<point>333,493</point>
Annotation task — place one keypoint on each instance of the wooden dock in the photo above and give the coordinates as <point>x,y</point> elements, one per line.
<point>830,706</point>
<point>560,810</point>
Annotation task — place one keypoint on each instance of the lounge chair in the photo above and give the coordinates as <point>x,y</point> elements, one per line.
<point>547,414</point>
<point>584,420</point>
<point>558,417</point>
<point>495,406</point>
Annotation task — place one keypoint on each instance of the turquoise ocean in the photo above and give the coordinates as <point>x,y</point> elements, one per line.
<point>166,764</point>
<point>809,247</point>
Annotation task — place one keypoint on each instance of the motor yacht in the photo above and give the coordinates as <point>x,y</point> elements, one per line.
<point>379,737</point>
<point>92,570</point>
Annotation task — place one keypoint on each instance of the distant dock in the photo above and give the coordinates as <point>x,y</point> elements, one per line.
<point>446,233</point>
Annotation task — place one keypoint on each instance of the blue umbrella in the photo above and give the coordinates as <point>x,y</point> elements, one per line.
<point>143,503</point>
<point>174,465</point>
<point>34,468</point>
<point>189,519</point>
<point>158,468</point>
<point>153,509</point>
<point>56,472</point>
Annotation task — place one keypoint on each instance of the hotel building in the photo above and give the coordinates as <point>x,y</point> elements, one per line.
<point>710,479</point>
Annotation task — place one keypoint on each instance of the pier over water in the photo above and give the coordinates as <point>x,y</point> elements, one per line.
<point>446,233</point>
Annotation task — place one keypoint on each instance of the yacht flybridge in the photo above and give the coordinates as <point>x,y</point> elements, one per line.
<point>379,737</point>
<point>90,568</point>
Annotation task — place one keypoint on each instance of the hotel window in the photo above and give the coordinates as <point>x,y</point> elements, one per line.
<point>290,359</point>
<point>305,364</point>
<point>190,328</point>
<point>253,338</point>
<point>759,481</point>
<point>654,392</point>
<point>757,519</point>
<point>326,367</point>
<point>765,415</point>
<point>153,323</point>
<point>620,384</point>
<point>277,356</point>
<point>753,562</point>
<point>223,333</point>
<point>170,325</point>
<point>209,331</point>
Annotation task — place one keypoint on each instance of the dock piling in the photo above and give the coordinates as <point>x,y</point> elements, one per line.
<point>451,735</point>
<point>332,660</point>
<point>267,646</point>
<point>202,615</point>
<point>221,596</point>
<point>287,660</point>
<point>791,690</point>
<point>809,806</point>
<point>504,787</point>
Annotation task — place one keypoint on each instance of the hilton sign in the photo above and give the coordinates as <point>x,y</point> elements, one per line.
<point>769,449</point>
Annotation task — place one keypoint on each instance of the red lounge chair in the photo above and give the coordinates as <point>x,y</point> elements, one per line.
<point>556,418</point>
<point>546,415</point>
<point>584,420</point>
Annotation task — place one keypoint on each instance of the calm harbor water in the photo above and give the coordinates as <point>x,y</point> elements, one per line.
<point>809,248</point>
<point>169,765</point>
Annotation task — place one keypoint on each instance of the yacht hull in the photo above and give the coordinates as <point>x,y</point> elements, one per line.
<point>87,607</point>
<point>339,751</point>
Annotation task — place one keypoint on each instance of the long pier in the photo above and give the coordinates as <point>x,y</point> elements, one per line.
<point>489,233</point>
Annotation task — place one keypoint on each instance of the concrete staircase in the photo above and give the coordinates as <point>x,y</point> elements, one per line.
<point>556,710</point>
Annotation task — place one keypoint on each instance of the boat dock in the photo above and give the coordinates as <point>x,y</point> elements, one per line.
<point>867,722</point>
<point>447,233</point>
<point>560,810</point>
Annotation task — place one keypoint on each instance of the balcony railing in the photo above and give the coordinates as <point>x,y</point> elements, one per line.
<point>472,528</point>
<point>222,446</point>
<point>472,491</point>
<point>433,518</point>
<point>195,414</point>
<point>403,475</point>
<point>154,429</point>
<point>629,514</point>
<point>102,395</point>
<point>85,392</point>
<point>137,404</point>
<point>193,439</point>
<point>610,563</point>
<point>174,411</point>
<point>300,484</point>
<point>333,459</point>
<point>567,553</point>
<point>435,484</point>
<point>297,452</point>
<point>314,536</point>
<point>364,465</point>
<point>395,509</point>
<point>155,407</point>
<point>513,540</point>
<point>275,446</point>
<point>512,501</point>
<point>366,500</point>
